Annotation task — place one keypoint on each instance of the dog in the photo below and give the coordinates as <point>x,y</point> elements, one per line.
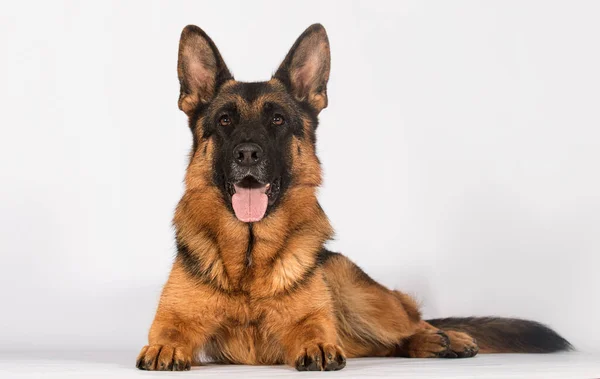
<point>252,282</point>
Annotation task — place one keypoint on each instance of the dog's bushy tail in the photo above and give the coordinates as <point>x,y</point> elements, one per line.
<point>506,335</point>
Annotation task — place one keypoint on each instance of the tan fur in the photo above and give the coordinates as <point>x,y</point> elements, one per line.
<point>264,296</point>
<point>192,316</point>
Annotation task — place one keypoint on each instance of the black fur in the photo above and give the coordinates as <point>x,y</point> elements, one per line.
<point>507,334</point>
<point>274,140</point>
<point>324,256</point>
<point>250,246</point>
<point>193,264</point>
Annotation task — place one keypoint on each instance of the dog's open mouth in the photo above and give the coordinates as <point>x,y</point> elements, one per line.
<point>250,198</point>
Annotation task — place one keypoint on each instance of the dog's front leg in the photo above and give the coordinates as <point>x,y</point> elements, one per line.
<point>172,341</point>
<point>311,344</point>
<point>185,320</point>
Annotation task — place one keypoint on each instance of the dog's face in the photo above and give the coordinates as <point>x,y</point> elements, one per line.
<point>257,138</point>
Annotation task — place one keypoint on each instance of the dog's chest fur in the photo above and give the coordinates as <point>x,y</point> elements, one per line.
<point>256,281</point>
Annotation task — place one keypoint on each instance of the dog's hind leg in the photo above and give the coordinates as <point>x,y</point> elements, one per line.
<point>431,342</point>
<point>373,320</point>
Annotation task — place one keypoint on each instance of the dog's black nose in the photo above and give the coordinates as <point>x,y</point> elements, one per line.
<point>247,154</point>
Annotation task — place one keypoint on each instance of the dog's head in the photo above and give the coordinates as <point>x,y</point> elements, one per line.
<point>253,142</point>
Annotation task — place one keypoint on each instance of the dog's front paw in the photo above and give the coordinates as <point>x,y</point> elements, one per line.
<point>318,357</point>
<point>163,358</point>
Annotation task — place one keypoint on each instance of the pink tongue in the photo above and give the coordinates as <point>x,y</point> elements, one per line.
<point>250,204</point>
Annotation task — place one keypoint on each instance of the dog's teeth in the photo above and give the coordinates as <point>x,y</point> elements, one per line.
<point>268,185</point>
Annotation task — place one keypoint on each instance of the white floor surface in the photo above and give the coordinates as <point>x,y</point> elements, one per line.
<point>62,364</point>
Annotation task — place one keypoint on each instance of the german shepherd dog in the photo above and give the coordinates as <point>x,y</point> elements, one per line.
<point>252,282</point>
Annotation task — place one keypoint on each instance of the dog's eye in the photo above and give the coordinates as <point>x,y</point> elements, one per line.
<point>225,120</point>
<point>278,120</point>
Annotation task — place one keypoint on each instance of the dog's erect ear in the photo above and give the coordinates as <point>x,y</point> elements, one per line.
<point>200,68</point>
<point>305,69</point>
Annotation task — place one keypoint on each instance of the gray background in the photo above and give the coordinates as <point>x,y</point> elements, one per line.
<point>460,152</point>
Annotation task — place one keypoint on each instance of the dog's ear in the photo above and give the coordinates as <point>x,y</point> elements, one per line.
<point>200,68</point>
<point>305,69</point>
